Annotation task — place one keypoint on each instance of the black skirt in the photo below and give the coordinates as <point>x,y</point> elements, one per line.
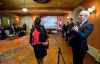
<point>40,51</point>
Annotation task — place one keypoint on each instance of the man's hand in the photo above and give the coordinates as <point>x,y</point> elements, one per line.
<point>75,28</point>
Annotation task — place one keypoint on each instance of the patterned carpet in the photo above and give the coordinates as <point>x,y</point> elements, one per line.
<point>17,56</point>
<point>18,51</point>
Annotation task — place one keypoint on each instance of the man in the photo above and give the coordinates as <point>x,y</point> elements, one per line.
<point>78,38</point>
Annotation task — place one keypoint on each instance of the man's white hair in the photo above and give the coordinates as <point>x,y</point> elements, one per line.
<point>85,13</point>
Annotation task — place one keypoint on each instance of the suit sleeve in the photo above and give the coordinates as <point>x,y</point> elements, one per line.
<point>87,31</point>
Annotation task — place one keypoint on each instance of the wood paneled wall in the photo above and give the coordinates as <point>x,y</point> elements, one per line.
<point>94,39</point>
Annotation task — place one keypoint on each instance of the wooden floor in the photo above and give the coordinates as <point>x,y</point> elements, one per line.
<point>18,51</point>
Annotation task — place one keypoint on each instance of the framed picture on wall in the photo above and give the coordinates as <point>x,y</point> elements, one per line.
<point>5,22</point>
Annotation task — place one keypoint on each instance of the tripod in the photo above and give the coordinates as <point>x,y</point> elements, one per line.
<point>59,53</point>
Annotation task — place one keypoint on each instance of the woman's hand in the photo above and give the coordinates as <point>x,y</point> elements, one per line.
<point>45,43</point>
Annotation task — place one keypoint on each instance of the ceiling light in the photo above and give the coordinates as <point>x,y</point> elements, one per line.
<point>89,9</point>
<point>67,17</point>
<point>24,9</point>
<point>92,9</point>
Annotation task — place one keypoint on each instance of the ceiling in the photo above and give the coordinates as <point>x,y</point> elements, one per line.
<point>54,6</point>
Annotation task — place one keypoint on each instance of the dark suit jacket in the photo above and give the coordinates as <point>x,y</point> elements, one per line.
<point>78,40</point>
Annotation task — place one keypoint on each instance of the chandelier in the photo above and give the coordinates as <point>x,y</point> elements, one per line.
<point>25,9</point>
<point>42,1</point>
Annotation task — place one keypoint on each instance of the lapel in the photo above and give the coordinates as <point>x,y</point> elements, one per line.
<point>82,27</point>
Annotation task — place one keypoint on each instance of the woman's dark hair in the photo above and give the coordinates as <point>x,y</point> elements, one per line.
<point>35,27</point>
<point>37,21</point>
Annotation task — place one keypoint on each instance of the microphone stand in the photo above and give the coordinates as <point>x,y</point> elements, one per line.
<point>60,54</point>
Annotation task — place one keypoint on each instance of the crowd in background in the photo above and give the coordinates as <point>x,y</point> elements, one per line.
<point>12,30</point>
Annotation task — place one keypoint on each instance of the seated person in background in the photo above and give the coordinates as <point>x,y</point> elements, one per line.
<point>2,33</point>
<point>24,27</point>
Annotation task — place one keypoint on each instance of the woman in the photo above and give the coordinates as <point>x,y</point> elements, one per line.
<point>38,38</point>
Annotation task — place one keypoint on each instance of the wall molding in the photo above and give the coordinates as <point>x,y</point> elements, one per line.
<point>95,53</point>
